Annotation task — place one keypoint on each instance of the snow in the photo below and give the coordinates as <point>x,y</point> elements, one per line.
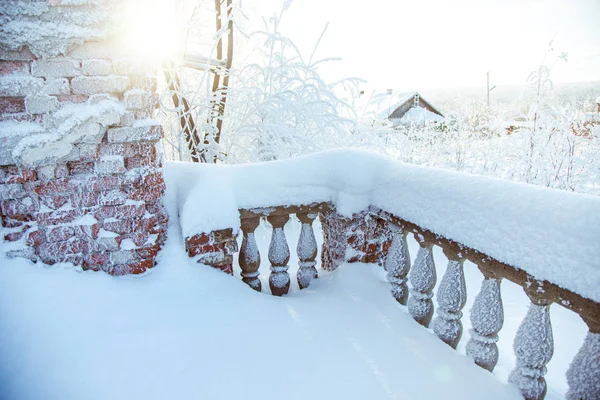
<point>19,128</point>
<point>186,331</point>
<point>548,233</point>
<point>73,123</point>
<point>418,115</point>
<point>379,106</point>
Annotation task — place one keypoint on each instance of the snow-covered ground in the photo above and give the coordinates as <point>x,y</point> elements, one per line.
<point>187,331</point>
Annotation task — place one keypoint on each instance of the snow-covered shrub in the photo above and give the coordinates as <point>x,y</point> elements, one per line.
<point>280,106</point>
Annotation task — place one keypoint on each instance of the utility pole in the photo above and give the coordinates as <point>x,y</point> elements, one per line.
<point>488,88</point>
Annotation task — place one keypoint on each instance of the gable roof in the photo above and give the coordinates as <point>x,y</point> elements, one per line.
<point>382,106</point>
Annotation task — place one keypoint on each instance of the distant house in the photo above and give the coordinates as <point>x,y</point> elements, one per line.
<point>408,108</point>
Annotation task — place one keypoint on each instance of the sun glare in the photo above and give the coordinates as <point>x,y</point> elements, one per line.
<point>150,29</point>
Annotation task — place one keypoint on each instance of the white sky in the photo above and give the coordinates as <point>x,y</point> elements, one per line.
<point>444,43</point>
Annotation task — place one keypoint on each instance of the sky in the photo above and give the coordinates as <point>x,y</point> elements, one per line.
<point>444,44</point>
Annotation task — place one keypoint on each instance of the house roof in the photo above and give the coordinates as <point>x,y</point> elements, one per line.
<point>382,106</point>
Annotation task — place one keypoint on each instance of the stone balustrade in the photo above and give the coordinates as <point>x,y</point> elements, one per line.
<point>378,236</point>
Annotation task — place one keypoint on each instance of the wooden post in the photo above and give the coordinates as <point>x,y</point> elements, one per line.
<point>249,255</point>
<point>451,298</point>
<point>279,256</point>
<point>422,279</point>
<point>582,375</point>
<point>534,346</point>
<point>307,251</point>
<point>397,265</point>
<point>487,318</point>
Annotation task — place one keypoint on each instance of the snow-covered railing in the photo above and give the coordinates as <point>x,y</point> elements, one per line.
<point>544,240</point>
<point>279,252</point>
<point>533,343</point>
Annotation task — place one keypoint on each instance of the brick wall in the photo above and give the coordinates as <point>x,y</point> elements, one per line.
<point>81,178</point>
<point>215,249</point>
<point>360,238</point>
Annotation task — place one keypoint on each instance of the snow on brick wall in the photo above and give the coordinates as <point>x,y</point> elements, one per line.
<point>81,179</point>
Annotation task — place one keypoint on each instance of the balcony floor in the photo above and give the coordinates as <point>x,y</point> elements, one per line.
<point>190,332</point>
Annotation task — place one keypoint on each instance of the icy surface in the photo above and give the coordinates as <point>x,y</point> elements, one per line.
<point>551,234</point>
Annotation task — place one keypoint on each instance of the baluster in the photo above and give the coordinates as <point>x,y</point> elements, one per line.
<point>451,298</point>
<point>279,255</point>
<point>397,265</point>
<point>487,317</point>
<point>249,255</point>
<point>533,347</point>
<point>422,280</point>
<point>307,250</point>
<point>583,376</point>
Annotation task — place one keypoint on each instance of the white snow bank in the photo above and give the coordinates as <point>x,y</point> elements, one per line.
<point>551,234</point>
<point>185,332</point>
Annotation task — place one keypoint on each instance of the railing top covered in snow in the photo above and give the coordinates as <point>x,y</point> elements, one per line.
<point>521,231</point>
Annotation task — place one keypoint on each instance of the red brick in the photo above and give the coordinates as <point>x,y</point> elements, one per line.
<point>11,105</point>
<point>17,235</point>
<point>87,231</point>
<point>198,240</point>
<point>26,205</point>
<point>80,167</point>
<point>23,117</point>
<point>135,268</point>
<point>113,197</point>
<point>12,191</point>
<point>227,268</point>
<point>155,207</point>
<point>139,161</point>
<point>54,201</point>
<point>155,179</point>
<point>15,221</point>
<point>139,237</point>
<point>117,225</point>
<point>36,238</point>
<point>87,151</point>
<point>120,211</point>
<point>148,252</point>
<point>51,253</point>
<point>162,238</point>
<point>127,150</point>
<point>96,261</point>
<point>372,248</point>
<point>61,171</point>
<point>15,174</point>
<point>73,98</point>
<point>84,199</point>
<point>56,217</point>
<point>207,248</point>
<point>100,183</point>
<point>148,193</point>
<point>143,224</point>
<point>59,233</point>
<point>63,185</point>
<point>11,67</point>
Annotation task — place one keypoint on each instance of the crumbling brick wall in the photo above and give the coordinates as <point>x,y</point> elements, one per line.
<point>81,176</point>
<point>363,237</point>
